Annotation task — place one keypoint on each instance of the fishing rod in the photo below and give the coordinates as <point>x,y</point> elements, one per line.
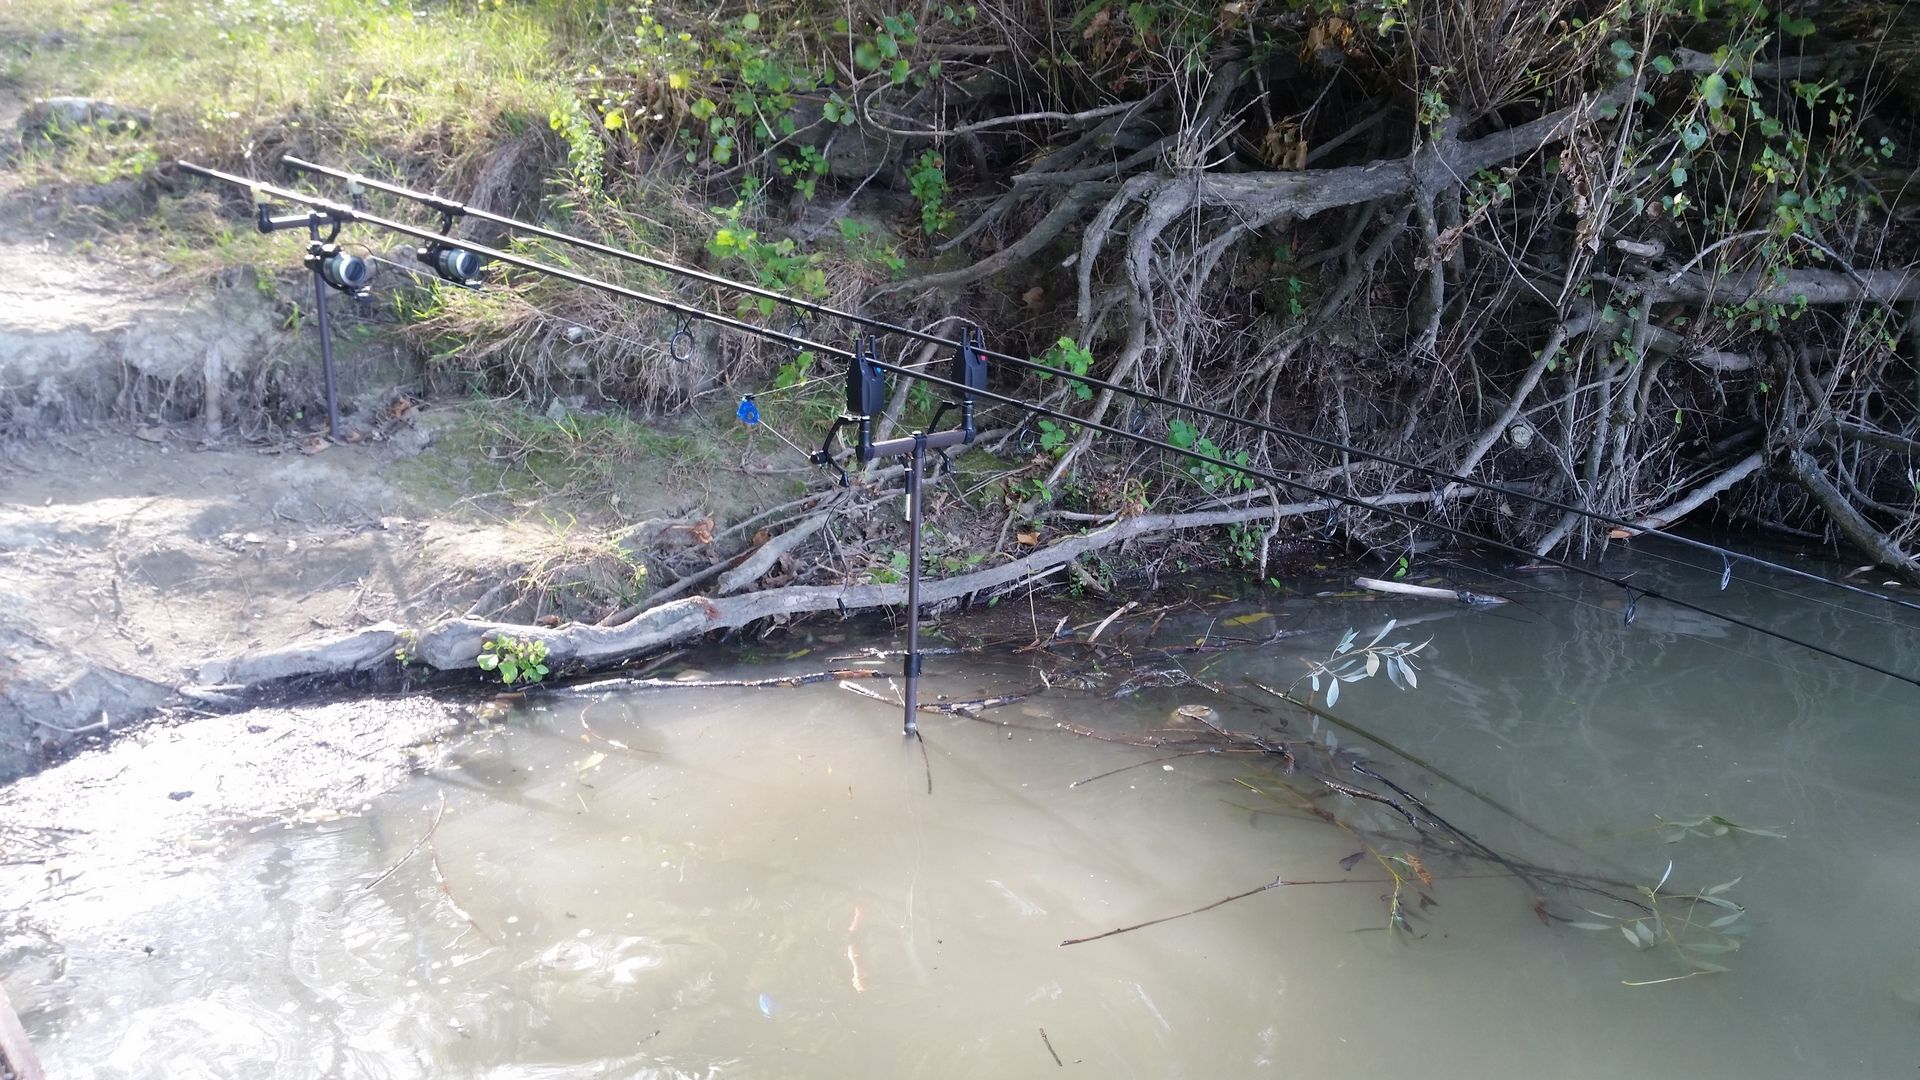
<point>451,210</point>
<point>865,364</point>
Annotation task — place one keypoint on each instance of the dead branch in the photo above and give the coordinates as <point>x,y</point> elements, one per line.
<point>455,643</point>
<point>1699,496</point>
<point>756,565</point>
<point>1800,467</point>
<point>1463,596</point>
<point>1029,245</point>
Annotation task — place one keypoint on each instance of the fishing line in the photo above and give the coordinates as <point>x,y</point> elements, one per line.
<point>690,313</point>
<point>451,209</point>
<point>1567,597</point>
<point>1865,616</point>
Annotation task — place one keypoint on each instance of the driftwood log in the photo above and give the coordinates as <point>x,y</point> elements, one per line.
<point>455,644</point>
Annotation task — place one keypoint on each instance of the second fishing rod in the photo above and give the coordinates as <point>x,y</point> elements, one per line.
<point>345,213</point>
<point>450,210</point>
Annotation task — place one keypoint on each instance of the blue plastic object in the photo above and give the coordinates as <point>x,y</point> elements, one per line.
<point>748,412</point>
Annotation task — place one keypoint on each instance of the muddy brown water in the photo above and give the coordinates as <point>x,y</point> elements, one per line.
<point>714,883</point>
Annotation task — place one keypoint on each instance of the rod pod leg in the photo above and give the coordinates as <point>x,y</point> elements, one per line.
<point>916,468</point>
<point>326,352</point>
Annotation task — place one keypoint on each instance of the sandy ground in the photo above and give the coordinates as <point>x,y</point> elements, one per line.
<point>126,561</point>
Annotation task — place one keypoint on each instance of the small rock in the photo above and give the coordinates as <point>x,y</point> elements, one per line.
<point>176,796</point>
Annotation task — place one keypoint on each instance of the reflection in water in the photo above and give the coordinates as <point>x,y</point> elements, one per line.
<point>703,883</point>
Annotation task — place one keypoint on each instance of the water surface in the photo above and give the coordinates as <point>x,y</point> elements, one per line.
<point>700,882</point>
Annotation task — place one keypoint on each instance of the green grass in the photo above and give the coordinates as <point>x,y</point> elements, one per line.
<point>503,457</point>
<point>223,77</point>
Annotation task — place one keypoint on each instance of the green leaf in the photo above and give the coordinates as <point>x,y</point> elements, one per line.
<point>1663,65</point>
<point>900,71</point>
<point>866,56</point>
<point>1627,932</point>
<point>1679,176</point>
<point>1793,27</point>
<point>750,21</point>
<point>488,661</point>
<point>509,670</point>
<point>1621,49</point>
<point>1713,90</point>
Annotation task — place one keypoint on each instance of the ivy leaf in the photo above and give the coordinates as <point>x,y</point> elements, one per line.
<point>750,21</point>
<point>900,72</point>
<point>1662,64</point>
<point>1713,90</point>
<point>866,56</point>
<point>1679,176</point>
<point>1793,27</point>
<point>1621,49</point>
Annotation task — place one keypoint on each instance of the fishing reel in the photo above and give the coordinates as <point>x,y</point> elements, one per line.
<point>341,270</point>
<point>450,263</point>
<point>454,265</point>
<point>335,267</point>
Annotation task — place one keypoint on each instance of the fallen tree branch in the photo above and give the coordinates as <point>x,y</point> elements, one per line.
<point>1694,499</point>
<point>757,564</point>
<point>1800,467</point>
<point>455,643</point>
<point>1814,286</point>
<point>1401,588</point>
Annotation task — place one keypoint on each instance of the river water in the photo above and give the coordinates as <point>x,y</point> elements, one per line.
<point>709,882</point>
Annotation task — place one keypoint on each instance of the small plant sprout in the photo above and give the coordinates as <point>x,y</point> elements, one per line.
<point>1693,926</point>
<point>516,659</point>
<point>1348,663</point>
<point>407,641</point>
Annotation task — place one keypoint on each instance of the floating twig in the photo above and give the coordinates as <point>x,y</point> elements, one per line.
<point>1050,1049</point>
<point>414,850</point>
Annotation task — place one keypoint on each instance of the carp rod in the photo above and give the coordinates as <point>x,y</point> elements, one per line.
<point>864,366</point>
<point>451,209</point>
